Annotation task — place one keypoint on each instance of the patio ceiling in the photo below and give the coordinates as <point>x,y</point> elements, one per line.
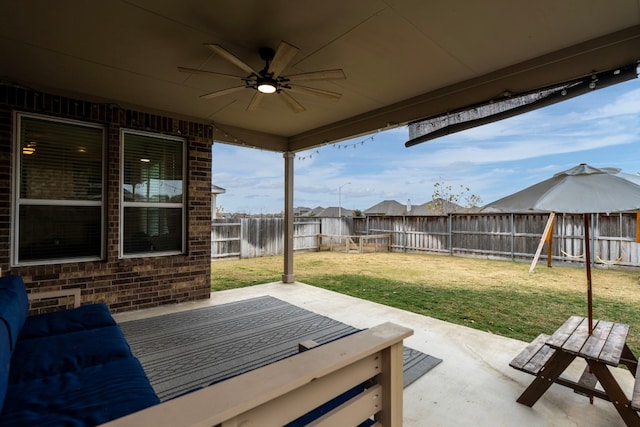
<point>405,60</point>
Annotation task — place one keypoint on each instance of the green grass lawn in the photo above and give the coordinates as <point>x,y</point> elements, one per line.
<point>501,297</point>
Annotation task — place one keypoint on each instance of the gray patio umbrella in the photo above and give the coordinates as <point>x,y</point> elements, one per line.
<point>583,190</point>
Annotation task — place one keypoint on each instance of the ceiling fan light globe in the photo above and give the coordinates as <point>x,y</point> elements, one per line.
<point>266,87</point>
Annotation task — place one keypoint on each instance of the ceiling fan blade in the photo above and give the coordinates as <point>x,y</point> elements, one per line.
<point>337,74</point>
<point>207,73</point>
<point>231,58</point>
<point>255,101</point>
<point>291,103</point>
<point>314,91</point>
<point>222,92</point>
<point>282,58</point>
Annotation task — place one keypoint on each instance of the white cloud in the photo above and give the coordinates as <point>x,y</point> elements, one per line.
<point>626,104</point>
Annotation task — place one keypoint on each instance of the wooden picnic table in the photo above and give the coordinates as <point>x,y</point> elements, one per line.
<point>547,357</point>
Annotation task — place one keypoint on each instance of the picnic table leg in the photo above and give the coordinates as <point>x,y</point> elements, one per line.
<point>615,393</point>
<point>547,376</point>
<point>629,360</point>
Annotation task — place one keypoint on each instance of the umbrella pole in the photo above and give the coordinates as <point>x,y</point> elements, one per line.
<point>587,260</point>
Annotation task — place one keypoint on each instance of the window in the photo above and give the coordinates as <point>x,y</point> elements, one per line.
<point>153,218</point>
<point>58,197</point>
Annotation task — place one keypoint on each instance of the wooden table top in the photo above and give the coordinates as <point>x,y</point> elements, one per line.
<point>605,344</point>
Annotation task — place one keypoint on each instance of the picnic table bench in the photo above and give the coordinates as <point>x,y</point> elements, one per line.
<point>547,357</point>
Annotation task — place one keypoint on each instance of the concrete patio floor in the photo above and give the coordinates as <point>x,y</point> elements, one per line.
<point>473,386</point>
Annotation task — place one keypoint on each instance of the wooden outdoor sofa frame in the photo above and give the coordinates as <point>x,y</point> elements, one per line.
<point>365,369</point>
<point>285,390</point>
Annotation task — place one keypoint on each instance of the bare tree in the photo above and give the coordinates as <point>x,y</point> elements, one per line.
<point>446,200</point>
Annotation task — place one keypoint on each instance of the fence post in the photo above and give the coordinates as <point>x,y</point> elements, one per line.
<point>593,239</point>
<point>404,233</point>
<point>450,227</point>
<point>513,236</point>
<point>242,245</point>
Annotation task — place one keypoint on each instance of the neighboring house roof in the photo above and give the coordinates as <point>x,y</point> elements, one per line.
<point>217,190</point>
<point>335,212</point>
<point>388,208</point>
<point>301,211</point>
<point>430,208</point>
<point>316,211</point>
<point>422,209</point>
<point>437,207</point>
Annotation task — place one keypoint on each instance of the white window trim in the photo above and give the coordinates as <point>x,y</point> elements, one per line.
<point>124,203</point>
<point>17,201</point>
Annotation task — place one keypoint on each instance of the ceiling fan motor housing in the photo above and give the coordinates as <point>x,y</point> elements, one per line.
<point>267,54</point>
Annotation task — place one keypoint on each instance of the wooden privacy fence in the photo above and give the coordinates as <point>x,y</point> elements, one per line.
<point>510,236</point>
<point>355,244</point>
<point>492,235</point>
<point>256,237</point>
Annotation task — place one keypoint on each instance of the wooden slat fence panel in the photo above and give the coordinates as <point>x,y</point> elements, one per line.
<point>335,226</point>
<point>615,239</point>
<point>569,232</point>
<point>305,235</point>
<point>527,231</point>
<point>494,235</point>
<point>257,237</point>
<point>511,236</point>
<point>226,235</point>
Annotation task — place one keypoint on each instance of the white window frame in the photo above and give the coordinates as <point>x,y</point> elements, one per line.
<point>18,201</point>
<point>125,204</point>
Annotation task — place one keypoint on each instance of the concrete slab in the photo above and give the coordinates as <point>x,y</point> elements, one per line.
<point>473,386</point>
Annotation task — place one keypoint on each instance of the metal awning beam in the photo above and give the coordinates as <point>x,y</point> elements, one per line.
<point>557,93</point>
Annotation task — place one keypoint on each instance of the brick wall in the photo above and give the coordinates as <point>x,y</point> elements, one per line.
<point>124,284</point>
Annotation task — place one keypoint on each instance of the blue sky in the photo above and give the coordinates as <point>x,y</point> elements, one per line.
<point>601,128</point>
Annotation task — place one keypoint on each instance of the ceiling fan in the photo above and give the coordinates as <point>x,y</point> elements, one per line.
<point>269,80</point>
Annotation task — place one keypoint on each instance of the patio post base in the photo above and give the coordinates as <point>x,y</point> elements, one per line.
<point>288,278</point>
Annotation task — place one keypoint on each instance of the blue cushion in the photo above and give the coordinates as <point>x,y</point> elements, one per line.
<point>39,357</point>
<point>60,322</point>
<point>5,357</point>
<point>14,305</point>
<point>86,397</point>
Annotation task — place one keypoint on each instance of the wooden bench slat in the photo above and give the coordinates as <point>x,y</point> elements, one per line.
<point>539,361</point>
<point>560,336</point>
<point>576,341</point>
<point>535,355</point>
<point>354,411</point>
<point>615,343</point>
<point>529,351</point>
<point>594,345</point>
